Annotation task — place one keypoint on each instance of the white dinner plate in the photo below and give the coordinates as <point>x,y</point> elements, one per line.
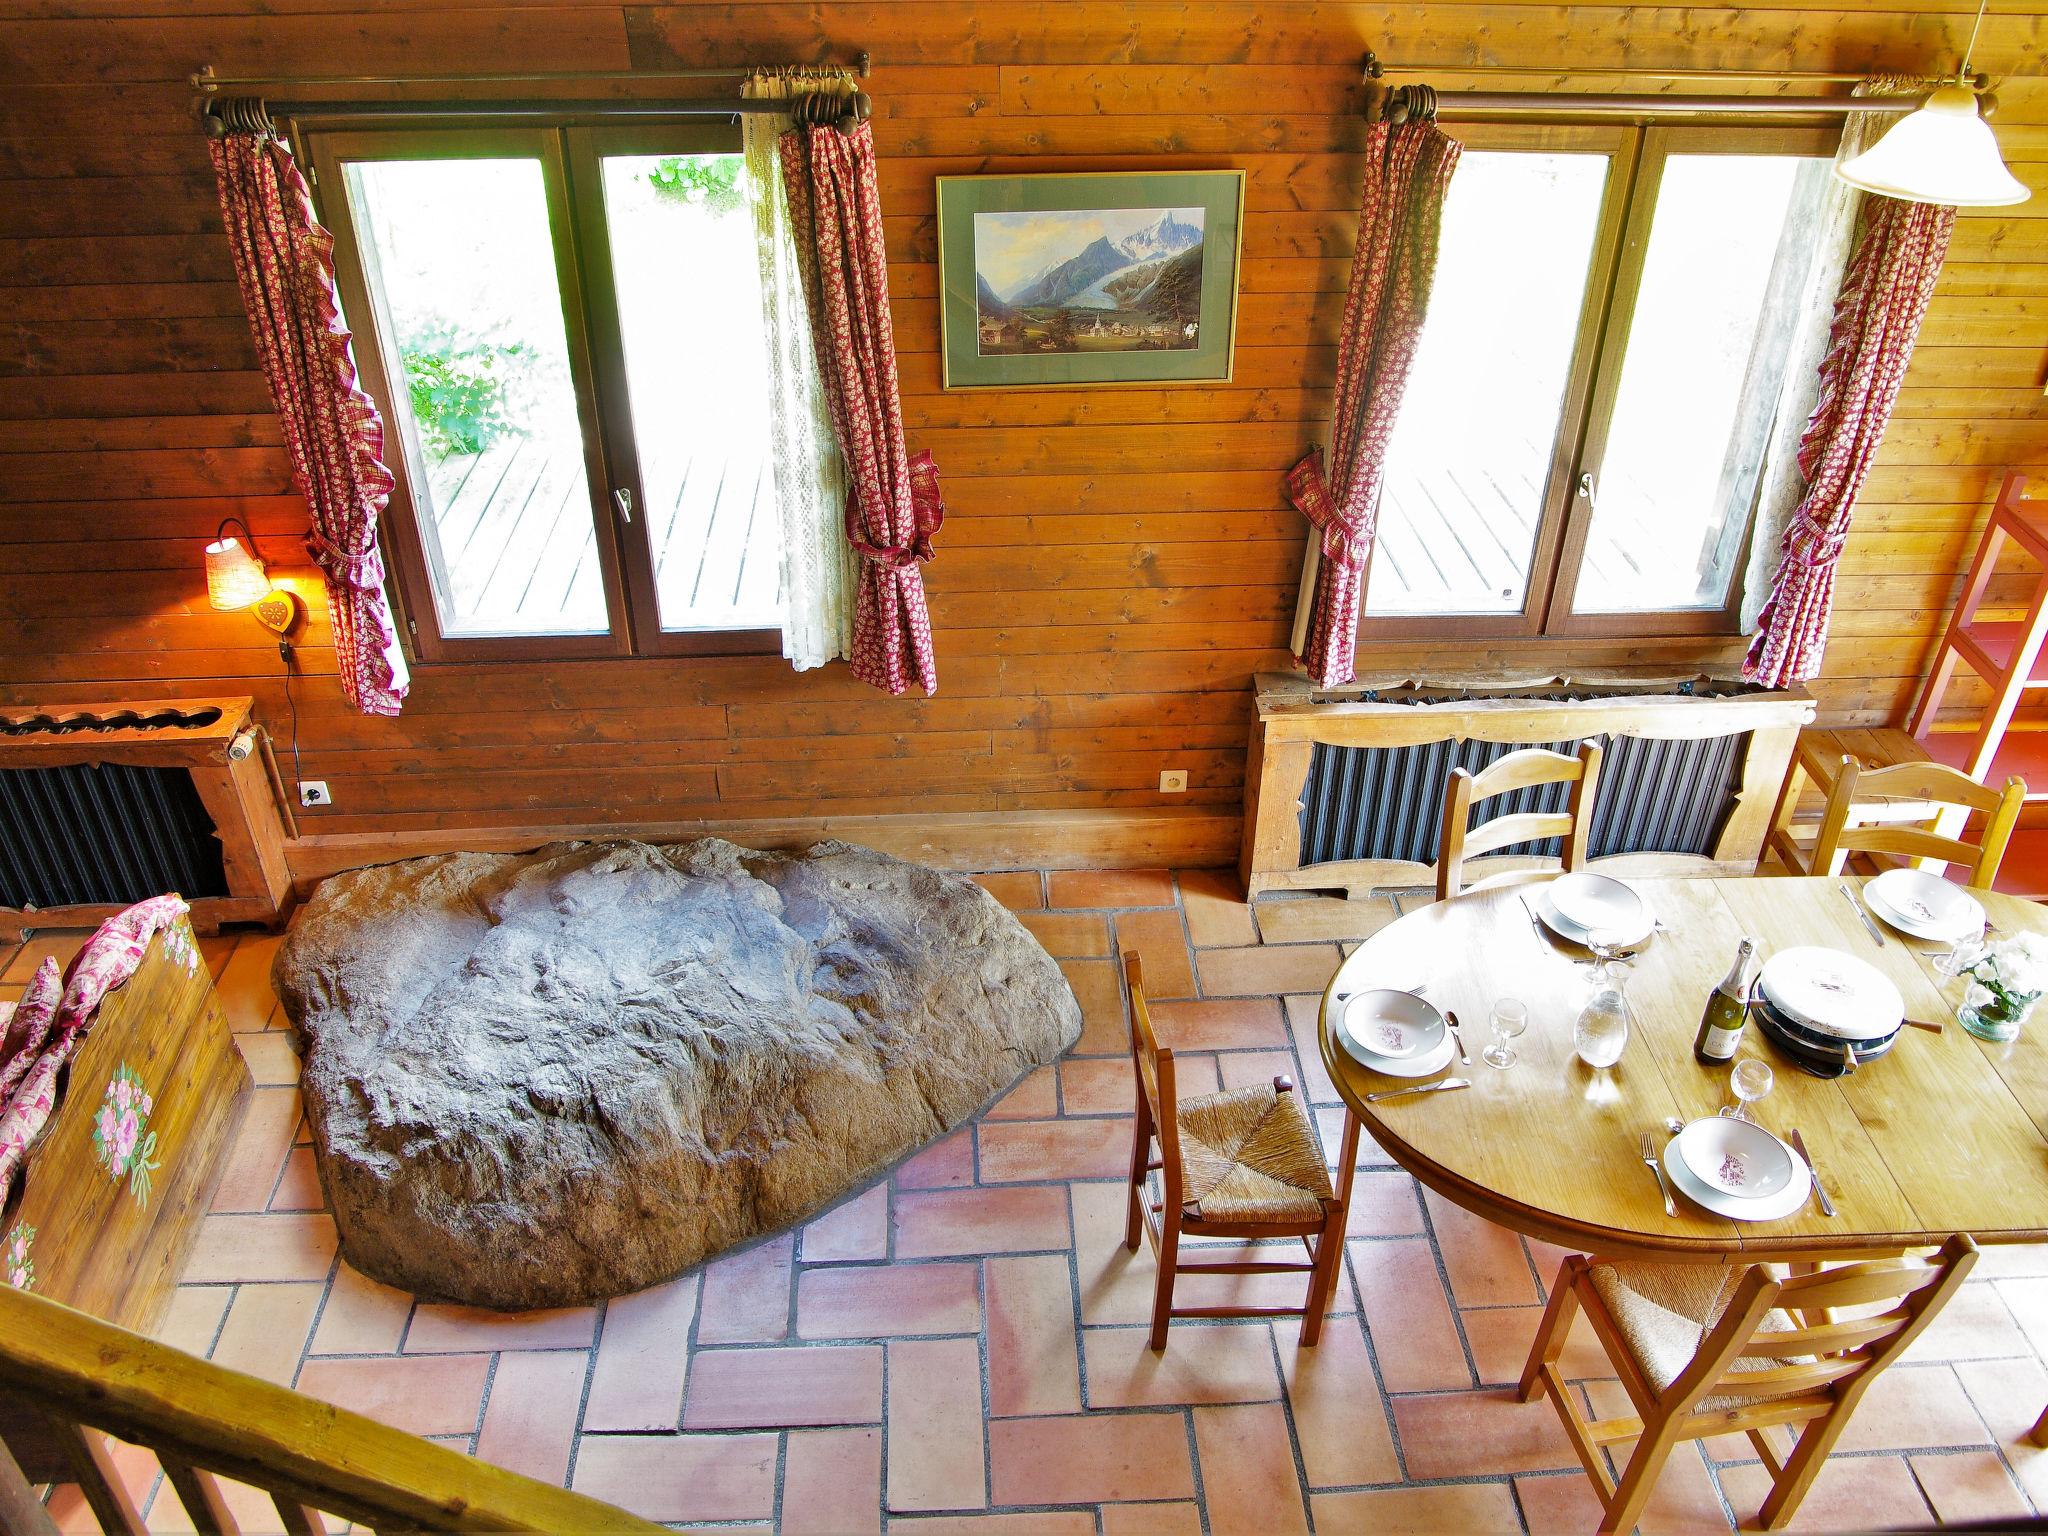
<point>1832,992</point>
<point>1739,1159</point>
<point>1924,905</point>
<point>1396,1033</point>
<point>1785,1202</point>
<point>1577,906</point>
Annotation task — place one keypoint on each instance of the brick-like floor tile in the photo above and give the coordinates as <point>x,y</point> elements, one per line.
<point>268,1247</point>
<point>1852,1493</point>
<point>1501,1338</point>
<point>451,1330</point>
<point>1684,1499</point>
<point>1035,1098</point>
<point>1033,1363</point>
<point>1090,1458</point>
<point>426,1394</point>
<point>266,1330</point>
<point>1304,1011</point>
<point>1021,890</point>
<point>889,1301</point>
<point>1021,1151</point>
<point>643,1356</point>
<point>1256,1069</point>
<point>1105,1085</point>
<point>135,1470</point>
<point>1109,888</point>
<point>1262,970</point>
<point>854,1230</point>
<point>832,1483</point>
<point>271,1059</point>
<point>1098,987</point>
<point>1452,1434</point>
<point>1247,1461</point>
<point>1486,1263</point>
<point>298,1187</point>
<point>258,1150</point>
<point>1320,919</point>
<point>530,1419</point>
<point>1160,943</point>
<point>936,1454</point>
<point>1222,1024</point>
<point>1034,1522</point>
<point>2009,1394</point>
<point>1218,916</point>
<point>943,1223</point>
<point>1339,1416</point>
<point>244,984</point>
<point>776,1388</point>
<point>2028,1299</point>
<point>745,1299</point>
<point>1975,1325</point>
<point>58,944</point>
<point>681,1477</point>
<point>1914,1407</point>
<point>1384,1205</point>
<point>193,1317</point>
<point>1970,1486</point>
<point>1175,1519</point>
<point>1202,1363</point>
<point>362,1316</point>
<point>947,1163</point>
<point>1416,1511</point>
<point>1410,1319</point>
<point>1069,935</point>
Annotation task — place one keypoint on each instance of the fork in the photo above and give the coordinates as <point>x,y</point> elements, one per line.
<point>1657,1172</point>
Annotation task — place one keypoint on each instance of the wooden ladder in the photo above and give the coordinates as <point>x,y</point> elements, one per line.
<point>2005,654</point>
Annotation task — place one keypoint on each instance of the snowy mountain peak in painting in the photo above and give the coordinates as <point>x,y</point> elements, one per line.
<point>1164,237</point>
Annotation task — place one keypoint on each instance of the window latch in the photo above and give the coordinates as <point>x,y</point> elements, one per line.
<point>622,498</point>
<point>1586,490</point>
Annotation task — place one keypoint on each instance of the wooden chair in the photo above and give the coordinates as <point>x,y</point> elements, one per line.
<point>1518,770</point>
<point>1862,816</point>
<point>1705,1351</point>
<point>1244,1163</point>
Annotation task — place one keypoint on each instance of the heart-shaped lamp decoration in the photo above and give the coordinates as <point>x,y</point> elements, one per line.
<point>277,610</point>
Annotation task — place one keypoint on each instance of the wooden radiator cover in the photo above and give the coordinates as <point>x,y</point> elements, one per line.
<point>1712,753</point>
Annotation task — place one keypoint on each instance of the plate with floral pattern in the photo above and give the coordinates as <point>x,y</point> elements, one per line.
<point>1397,1033</point>
<point>1737,1169</point>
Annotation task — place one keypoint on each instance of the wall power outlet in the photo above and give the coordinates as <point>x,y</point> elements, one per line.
<point>314,792</point>
<point>1173,781</point>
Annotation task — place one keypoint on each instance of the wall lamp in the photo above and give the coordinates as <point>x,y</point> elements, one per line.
<point>236,580</point>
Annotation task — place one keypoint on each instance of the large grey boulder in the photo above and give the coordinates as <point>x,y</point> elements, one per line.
<point>539,1079</point>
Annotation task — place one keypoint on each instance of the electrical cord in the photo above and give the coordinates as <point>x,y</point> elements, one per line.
<point>284,650</point>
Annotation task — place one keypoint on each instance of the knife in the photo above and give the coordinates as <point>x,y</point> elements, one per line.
<point>1827,1206</point>
<point>1438,1086</point>
<point>1876,933</point>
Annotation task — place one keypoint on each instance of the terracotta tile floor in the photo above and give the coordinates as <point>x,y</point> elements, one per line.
<point>962,1347</point>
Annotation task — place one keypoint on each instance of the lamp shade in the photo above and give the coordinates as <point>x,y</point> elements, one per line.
<point>234,577</point>
<point>1941,152</point>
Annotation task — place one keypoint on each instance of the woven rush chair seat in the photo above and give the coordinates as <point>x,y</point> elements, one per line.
<point>1663,1312</point>
<point>1250,1154</point>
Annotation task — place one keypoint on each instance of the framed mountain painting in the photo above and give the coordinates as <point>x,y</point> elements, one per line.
<point>1118,277</point>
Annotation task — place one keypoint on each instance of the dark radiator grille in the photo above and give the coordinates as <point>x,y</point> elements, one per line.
<point>84,834</point>
<point>1654,796</point>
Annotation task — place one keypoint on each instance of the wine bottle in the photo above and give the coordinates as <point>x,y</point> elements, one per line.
<point>1726,1012</point>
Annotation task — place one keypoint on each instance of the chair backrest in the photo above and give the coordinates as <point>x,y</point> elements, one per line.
<point>1518,770</point>
<point>1153,1065</point>
<point>1943,789</point>
<point>1841,1356</point>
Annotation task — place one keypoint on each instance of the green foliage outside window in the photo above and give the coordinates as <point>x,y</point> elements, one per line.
<point>711,182</point>
<point>458,386</point>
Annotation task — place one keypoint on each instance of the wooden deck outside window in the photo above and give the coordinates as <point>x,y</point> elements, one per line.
<point>557,325</point>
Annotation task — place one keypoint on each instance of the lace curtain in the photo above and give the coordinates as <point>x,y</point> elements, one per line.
<point>810,479</point>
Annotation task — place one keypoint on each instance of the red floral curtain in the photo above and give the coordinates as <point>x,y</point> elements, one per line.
<point>1408,173</point>
<point>892,504</point>
<point>1883,298</point>
<point>284,264</point>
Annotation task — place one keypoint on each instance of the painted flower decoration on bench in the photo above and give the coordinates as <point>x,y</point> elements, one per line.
<point>16,1268</point>
<point>121,1134</point>
<point>182,945</point>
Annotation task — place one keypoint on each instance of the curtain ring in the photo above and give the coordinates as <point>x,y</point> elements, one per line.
<point>238,114</point>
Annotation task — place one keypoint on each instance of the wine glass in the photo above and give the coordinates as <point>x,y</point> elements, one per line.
<point>1510,1018</point>
<point>1959,957</point>
<point>1749,1081</point>
<point>1608,946</point>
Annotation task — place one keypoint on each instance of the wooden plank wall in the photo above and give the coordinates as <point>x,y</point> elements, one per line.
<point>1115,563</point>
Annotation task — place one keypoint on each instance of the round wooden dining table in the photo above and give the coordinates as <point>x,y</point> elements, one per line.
<point>1943,1134</point>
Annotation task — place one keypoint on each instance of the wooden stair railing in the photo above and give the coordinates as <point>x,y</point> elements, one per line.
<point>203,1422</point>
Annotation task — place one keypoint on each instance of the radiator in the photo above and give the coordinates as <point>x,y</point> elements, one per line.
<point>105,805</point>
<point>1654,796</point>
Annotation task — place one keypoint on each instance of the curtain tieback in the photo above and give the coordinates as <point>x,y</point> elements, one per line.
<point>1309,489</point>
<point>364,570</point>
<point>927,512</point>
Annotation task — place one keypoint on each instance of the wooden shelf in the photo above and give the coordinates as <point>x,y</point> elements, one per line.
<point>1988,645</point>
<point>2021,752</point>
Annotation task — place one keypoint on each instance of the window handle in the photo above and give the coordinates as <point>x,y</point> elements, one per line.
<point>1586,490</point>
<point>622,498</point>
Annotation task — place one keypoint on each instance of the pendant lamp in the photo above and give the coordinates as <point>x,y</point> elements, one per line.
<point>1941,152</point>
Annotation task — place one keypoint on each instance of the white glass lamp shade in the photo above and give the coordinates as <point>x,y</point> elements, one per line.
<point>1941,152</point>
<point>234,577</point>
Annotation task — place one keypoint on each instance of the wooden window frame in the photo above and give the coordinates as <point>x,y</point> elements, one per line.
<point>570,155</point>
<point>1620,244</point>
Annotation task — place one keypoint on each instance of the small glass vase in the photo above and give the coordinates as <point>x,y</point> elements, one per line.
<point>1998,1019</point>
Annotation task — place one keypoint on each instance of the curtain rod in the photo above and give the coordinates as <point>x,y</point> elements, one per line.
<point>220,113</point>
<point>204,78</point>
<point>1373,70</point>
<point>1593,104</point>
